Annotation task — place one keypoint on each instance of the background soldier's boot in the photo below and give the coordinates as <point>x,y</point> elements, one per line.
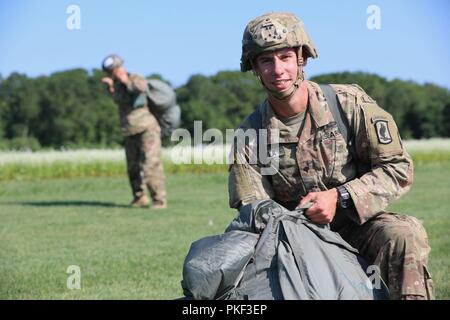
<point>159,204</point>
<point>140,202</point>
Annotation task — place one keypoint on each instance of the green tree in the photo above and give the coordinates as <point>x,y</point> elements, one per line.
<point>73,108</point>
<point>221,101</point>
<point>19,107</point>
<point>446,120</point>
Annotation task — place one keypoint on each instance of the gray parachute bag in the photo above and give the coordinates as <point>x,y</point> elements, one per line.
<point>271,253</point>
<point>163,105</point>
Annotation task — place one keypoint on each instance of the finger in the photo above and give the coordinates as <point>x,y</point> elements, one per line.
<point>304,207</point>
<point>318,218</point>
<point>308,198</point>
<point>312,211</point>
<point>325,219</point>
<point>315,215</point>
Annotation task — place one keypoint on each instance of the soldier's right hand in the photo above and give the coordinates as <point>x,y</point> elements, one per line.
<point>324,205</point>
<point>109,82</point>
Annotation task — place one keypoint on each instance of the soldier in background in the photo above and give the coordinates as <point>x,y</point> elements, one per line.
<point>349,182</point>
<point>141,133</point>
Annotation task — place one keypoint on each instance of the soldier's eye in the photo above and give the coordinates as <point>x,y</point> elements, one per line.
<point>286,56</point>
<point>265,64</point>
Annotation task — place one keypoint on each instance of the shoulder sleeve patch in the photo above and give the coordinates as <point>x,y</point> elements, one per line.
<point>382,131</point>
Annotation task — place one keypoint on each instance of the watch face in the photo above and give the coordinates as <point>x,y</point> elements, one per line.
<point>343,197</point>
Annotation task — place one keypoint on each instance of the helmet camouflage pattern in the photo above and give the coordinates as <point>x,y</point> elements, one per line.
<point>111,62</point>
<point>273,31</point>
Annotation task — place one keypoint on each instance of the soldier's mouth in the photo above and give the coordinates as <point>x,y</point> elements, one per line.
<point>281,84</point>
<point>281,81</point>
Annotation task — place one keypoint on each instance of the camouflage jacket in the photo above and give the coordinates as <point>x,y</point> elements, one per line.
<point>376,171</point>
<point>134,115</point>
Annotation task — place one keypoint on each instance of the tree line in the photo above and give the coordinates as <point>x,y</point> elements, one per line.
<point>72,109</point>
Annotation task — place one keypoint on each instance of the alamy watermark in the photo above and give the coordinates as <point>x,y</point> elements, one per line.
<point>374,273</point>
<point>373,21</point>
<point>74,279</point>
<point>73,21</point>
<point>255,147</point>
<point>373,281</point>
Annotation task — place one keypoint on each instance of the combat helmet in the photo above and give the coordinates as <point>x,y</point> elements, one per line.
<point>273,31</point>
<point>111,62</point>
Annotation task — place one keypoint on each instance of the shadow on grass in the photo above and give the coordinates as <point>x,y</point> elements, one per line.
<point>78,203</point>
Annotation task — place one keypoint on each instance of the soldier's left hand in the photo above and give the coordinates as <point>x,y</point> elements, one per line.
<point>109,82</point>
<point>324,206</point>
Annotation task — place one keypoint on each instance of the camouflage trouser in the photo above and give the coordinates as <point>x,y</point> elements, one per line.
<point>144,164</point>
<point>398,245</point>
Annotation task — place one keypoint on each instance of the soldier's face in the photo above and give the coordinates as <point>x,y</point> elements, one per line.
<point>119,72</point>
<point>278,70</point>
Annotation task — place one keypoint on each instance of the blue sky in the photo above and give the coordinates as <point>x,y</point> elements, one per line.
<point>179,38</point>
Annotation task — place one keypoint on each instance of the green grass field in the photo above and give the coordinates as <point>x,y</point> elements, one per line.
<point>124,253</point>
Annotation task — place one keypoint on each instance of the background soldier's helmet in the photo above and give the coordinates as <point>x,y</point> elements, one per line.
<point>273,31</point>
<point>111,62</point>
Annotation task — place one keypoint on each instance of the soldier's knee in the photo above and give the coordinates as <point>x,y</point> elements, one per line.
<point>399,240</point>
<point>408,236</point>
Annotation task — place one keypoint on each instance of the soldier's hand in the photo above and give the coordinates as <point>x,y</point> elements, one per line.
<point>324,206</point>
<point>109,82</point>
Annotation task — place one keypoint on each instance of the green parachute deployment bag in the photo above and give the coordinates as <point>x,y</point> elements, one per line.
<point>162,103</point>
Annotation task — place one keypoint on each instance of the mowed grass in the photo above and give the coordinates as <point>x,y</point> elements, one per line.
<point>122,253</point>
<point>125,253</point>
<point>429,200</point>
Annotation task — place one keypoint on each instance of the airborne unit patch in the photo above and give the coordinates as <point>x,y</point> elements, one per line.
<point>382,130</point>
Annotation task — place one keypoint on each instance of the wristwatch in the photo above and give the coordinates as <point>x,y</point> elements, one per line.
<point>344,200</point>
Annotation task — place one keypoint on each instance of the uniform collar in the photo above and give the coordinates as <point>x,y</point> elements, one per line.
<point>317,109</point>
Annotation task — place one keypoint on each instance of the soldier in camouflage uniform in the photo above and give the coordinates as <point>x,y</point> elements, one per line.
<point>141,133</point>
<point>349,185</point>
